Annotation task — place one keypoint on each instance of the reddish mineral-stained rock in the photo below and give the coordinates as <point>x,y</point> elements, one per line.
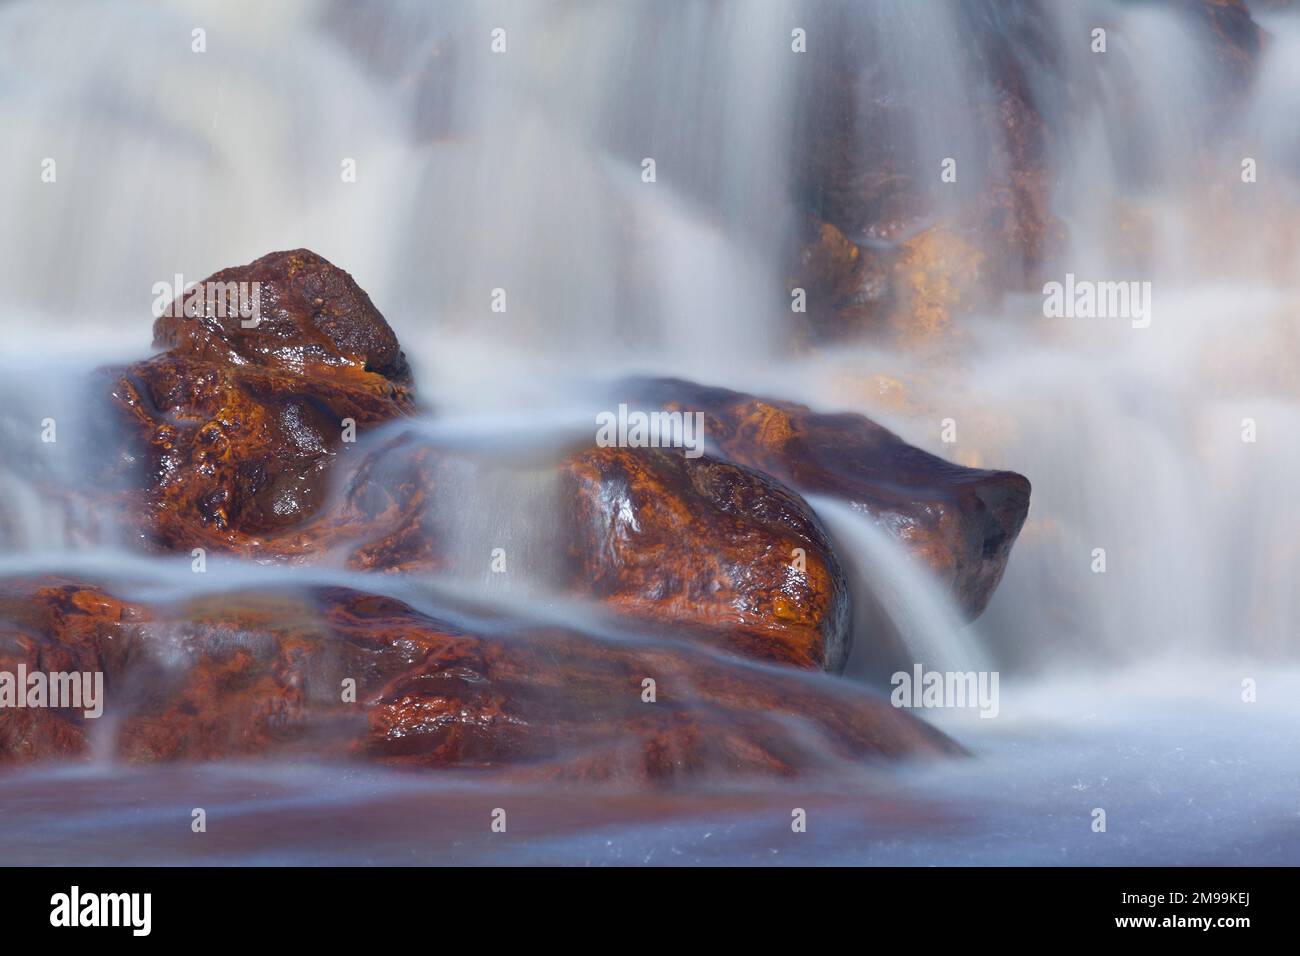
<point>715,550</point>
<point>1238,39</point>
<point>384,518</point>
<point>233,432</point>
<point>846,285</point>
<point>961,522</point>
<point>55,627</point>
<point>313,321</point>
<point>262,673</point>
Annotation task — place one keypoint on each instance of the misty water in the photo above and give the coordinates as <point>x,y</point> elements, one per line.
<point>1121,690</point>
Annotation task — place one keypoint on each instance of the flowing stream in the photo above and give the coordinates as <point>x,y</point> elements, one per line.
<point>522,171</point>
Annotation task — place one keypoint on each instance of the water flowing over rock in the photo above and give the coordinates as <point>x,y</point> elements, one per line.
<point>264,672</point>
<point>239,438</point>
<point>960,522</point>
<point>385,517</point>
<point>235,444</point>
<point>846,285</point>
<point>313,321</point>
<point>1238,40</point>
<point>870,160</point>
<point>715,549</point>
<point>659,187</point>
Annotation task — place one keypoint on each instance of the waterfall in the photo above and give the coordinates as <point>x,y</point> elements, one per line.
<point>541,197</point>
<point>895,599</point>
<point>522,170</point>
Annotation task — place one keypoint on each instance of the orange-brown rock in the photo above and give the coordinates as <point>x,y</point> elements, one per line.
<point>263,672</point>
<point>860,165</point>
<point>961,522</point>
<point>846,285</point>
<point>710,549</point>
<point>1012,219</point>
<point>313,321</point>
<point>231,434</point>
<point>843,176</point>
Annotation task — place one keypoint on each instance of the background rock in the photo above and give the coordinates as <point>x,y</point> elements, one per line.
<point>960,522</point>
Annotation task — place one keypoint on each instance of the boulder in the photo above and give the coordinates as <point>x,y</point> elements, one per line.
<point>265,672</point>
<point>960,522</point>
<point>232,433</point>
<point>712,549</point>
<point>863,164</point>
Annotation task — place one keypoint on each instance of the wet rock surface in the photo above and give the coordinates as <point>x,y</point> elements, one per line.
<point>867,160</point>
<point>863,170</point>
<point>712,582</point>
<point>960,522</point>
<point>232,434</point>
<point>263,672</point>
<point>723,551</point>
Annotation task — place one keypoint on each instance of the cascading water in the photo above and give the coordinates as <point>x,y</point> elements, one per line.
<point>912,608</point>
<point>523,172</point>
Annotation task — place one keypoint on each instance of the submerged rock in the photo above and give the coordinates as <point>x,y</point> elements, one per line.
<point>265,672</point>
<point>721,551</point>
<point>384,519</point>
<point>861,167</point>
<point>960,522</point>
<point>236,441</point>
<point>1236,47</point>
